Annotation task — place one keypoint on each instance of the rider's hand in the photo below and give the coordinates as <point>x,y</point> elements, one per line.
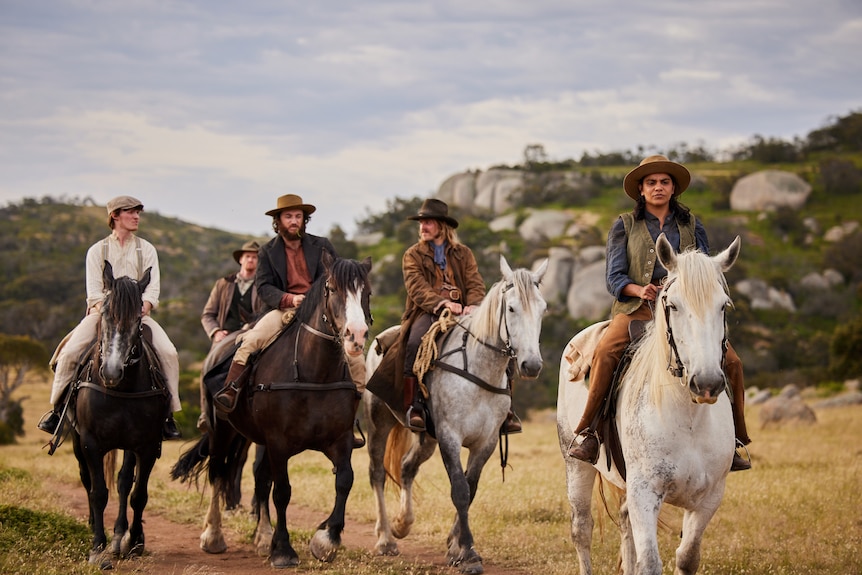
<point>454,307</point>
<point>145,310</point>
<point>650,292</point>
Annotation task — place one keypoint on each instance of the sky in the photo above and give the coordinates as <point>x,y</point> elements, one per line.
<point>209,110</point>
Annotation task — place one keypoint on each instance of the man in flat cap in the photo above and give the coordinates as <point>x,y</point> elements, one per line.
<point>287,266</point>
<point>129,255</point>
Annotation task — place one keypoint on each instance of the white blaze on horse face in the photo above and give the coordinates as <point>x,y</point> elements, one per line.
<point>355,329</point>
<point>113,359</point>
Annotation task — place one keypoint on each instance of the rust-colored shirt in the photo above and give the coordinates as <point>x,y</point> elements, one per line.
<point>298,278</point>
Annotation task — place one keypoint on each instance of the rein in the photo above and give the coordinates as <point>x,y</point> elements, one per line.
<point>334,337</point>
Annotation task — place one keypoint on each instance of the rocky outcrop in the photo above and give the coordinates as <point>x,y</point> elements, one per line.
<point>769,190</point>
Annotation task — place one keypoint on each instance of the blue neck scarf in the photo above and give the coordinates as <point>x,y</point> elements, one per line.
<point>439,255</point>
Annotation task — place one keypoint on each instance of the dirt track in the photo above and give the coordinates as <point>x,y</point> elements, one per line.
<point>173,548</point>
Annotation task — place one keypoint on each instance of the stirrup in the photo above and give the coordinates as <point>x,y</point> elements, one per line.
<point>218,397</point>
<point>745,462</point>
<point>587,433</point>
<point>410,411</point>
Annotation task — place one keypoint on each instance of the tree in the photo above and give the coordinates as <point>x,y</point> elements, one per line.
<point>18,355</point>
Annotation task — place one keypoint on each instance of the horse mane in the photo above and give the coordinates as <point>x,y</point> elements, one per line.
<point>695,277</point>
<point>344,274</point>
<point>123,305</point>
<point>484,322</point>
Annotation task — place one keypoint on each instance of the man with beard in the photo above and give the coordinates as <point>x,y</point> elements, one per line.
<point>287,266</point>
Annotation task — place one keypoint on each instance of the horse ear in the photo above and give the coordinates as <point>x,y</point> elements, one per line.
<point>665,252</point>
<point>504,267</point>
<point>540,273</point>
<point>145,281</point>
<point>727,258</point>
<point>366,263</point>
<point>108,275</point>
<point>326,259</point>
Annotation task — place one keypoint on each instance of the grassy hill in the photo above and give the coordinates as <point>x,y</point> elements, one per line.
<point>43,243</point>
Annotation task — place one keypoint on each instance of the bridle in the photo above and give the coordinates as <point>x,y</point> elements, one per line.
<point>674,363</point>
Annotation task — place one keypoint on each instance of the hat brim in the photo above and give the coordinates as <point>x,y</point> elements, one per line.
<point>307,208</point>
<point>451,222</point>
<point>238,254</point>
<point>678,171</point>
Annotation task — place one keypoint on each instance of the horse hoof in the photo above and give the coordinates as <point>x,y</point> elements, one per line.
<point>387,549</point>
<point>322,547</point>
<point>116,551</point>
<point>129,549</point>
<point>101,559</point>
<point>213,547</point>
<point>283,561</point>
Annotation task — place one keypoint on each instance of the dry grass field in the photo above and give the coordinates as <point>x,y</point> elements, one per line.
<point>798,512</point>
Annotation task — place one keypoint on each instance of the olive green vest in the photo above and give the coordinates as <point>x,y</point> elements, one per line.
<point>640,252</point>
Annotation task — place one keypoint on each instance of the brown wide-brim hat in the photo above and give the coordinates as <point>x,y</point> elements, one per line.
<point>291,202</point>
<point>656,165</point>
<point>433,209</point>
<point>123,203</point>
<point>251,246</point>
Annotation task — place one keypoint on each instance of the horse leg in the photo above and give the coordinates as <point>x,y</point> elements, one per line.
<point>418,454</point>
<point>580,480</point>
<point>98,498</point>
<point>460,540</point>
<point>694,523</point>
<point>628,554</point>
<point>125,479</point>
<point>262,487</point>
<point>212,538</point>
<point>380,423</point>
<point>644,504</point>
<point>282,554</point>
<point>133,542</point>
<point>326,540</point>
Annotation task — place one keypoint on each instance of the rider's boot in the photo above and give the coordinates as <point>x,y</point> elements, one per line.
<point>169,429</point>
<point>415,412</point>
<point>225,399</point>
<point>512,423</point>
<point>588,449</point>
<point>740,431</point>
<point>50,420</point>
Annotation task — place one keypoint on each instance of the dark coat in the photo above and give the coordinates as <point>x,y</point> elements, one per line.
<point>221,297</point>
<point>271,277</point>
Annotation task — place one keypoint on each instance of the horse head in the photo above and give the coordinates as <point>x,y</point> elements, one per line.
<point>523,308</point>
<point>692,312</point>
<point>121,324</point>
<point>348,300</point>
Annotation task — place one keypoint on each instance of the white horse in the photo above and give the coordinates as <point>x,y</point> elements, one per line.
<point>466,411</point>
<point>675,424</point>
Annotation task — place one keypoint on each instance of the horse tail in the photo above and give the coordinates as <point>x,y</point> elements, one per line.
<point>109,467</point>
<point>398,443</point>
<point>224,472</point>
<point>612,507</point>
<point>193,462</point>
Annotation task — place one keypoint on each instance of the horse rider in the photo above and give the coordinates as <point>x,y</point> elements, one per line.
<point>233,302</point>
<point>634,278</point>
<point>440,273</point>
<point>287,266</point>
<point>129,255</point>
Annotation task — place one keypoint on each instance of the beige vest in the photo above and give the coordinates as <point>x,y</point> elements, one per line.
<point>640,251</point>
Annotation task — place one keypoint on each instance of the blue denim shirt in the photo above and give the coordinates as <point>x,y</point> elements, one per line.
<point>617,263</point>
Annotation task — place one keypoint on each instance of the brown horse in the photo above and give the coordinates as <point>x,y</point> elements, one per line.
<point>301,397</point>
<point>119,403</point>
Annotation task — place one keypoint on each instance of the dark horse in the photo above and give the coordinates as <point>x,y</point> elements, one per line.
<point>301,397</point>
<point>120,402</point>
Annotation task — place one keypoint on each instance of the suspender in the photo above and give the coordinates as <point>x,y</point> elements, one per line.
<point>138,250</point>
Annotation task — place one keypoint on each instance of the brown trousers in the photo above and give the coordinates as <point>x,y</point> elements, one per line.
<point>610,350</point>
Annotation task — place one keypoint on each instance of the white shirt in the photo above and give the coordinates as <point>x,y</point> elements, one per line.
<point>124,261</point>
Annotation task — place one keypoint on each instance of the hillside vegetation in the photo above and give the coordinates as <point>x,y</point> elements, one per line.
<point>43,243</point>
